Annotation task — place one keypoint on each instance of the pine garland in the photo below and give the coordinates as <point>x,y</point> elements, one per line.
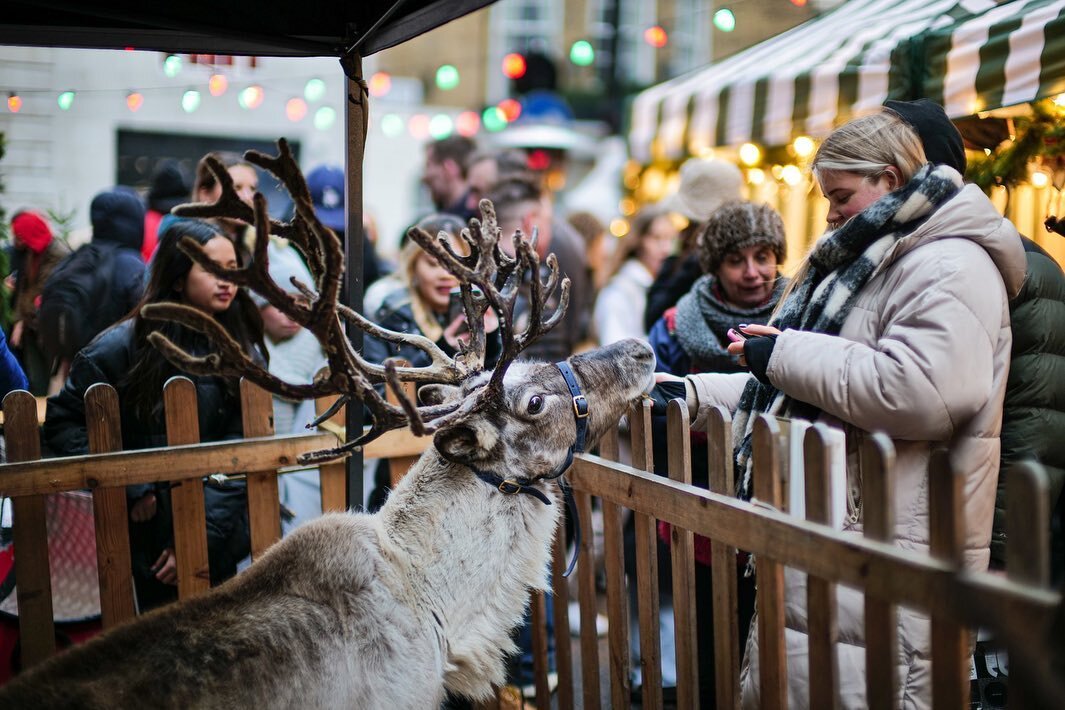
<point>1041,135</point>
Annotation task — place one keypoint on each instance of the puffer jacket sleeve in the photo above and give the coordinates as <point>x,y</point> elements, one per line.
<point>932,363</point>
<point>711,390</point>
<point>64,430</point>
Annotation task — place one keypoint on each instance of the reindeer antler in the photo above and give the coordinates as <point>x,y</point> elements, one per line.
<point>488,278</point>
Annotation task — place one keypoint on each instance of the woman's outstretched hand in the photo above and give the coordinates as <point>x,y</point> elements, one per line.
<point>754,331</point>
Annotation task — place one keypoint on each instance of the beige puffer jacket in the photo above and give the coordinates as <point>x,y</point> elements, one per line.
<point>923,356</point>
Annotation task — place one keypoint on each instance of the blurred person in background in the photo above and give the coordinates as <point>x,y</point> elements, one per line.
<point>704,186</point>
<point>37,252</point>
<point>596,246</point>
<point>445,174</point>
<point>169,188</point>
<point>619,308</point>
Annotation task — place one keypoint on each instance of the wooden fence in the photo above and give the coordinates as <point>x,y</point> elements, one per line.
<point>956,600</point>
<point>27,480</point>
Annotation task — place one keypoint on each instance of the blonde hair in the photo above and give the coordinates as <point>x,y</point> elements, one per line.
<point>630,243</point>
<point>408,259</point>
<point>866,146</point>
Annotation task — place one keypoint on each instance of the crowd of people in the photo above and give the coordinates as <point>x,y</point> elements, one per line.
<point>898,320</point>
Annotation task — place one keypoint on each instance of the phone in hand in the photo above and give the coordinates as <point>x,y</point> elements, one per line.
<point>735,335</point>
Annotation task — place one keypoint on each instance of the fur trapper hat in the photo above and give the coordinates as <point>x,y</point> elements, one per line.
<point>738,225</point>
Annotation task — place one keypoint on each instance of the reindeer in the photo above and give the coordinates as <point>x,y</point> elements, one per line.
<point>390,610</point>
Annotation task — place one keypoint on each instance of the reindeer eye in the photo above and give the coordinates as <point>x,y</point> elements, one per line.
<point>536,403</point>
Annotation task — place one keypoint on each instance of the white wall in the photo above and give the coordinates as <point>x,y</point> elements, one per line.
<point>60,159</point>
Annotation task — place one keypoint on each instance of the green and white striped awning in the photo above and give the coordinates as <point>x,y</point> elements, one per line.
<point>969,55</point>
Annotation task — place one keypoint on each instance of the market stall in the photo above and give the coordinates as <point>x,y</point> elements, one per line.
<point>777,98</point>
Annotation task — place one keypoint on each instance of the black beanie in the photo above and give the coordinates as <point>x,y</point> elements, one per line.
<point>940,137</point>
<point>118,217</point>
<point>169,187</point>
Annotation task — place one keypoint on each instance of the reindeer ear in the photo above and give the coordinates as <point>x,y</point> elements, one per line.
<point>436,393</point>
<point>458,444</point>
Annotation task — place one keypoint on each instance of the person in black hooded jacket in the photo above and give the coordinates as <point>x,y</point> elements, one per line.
<point>122,357</point>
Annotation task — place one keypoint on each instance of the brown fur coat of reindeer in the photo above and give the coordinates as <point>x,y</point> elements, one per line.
<point>394,609</point>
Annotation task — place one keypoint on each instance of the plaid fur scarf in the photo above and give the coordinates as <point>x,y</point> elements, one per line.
<point>839,267</point>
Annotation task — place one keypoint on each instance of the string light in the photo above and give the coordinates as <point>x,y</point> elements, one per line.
<point>619,227</point>
<point>581,53</point>
<point>803,146</point>
<point>380,84</point>
<point>511,109</point>
<point>391,125</point>
<point>324,118</point>
<point>172,65</point>
<point>1040,179</point>
<point>418,125</point>
<point>493,119</point>
<point>251,97</point>
<point>514,66</point>
<point>447,77</point>
<point>756,176</point>
<point>190,101</point>
<point>217,84</point>
<point>655,36</point>
<point>14,102</point>
<point>467,123</point>
<point>791,175</point>
<point>65,100</point>
<point>441,126</point>
<point>134,101</point>
<point>296,109</point>
<point>750,154</point>
<point>724,20</point>
<point>314,90</point>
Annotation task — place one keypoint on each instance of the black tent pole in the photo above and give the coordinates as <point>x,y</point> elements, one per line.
<point>355,121</point>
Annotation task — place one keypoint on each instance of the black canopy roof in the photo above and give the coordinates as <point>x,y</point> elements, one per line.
<point>294,28</point>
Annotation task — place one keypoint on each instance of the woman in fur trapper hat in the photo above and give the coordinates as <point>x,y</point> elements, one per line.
<point>740,251</point>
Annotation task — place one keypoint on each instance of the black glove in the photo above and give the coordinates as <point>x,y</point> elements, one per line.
<point>757,352</point>
<point>663,392</point>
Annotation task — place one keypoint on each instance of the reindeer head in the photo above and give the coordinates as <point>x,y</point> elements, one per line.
<point>527,431</point>
<point>489,278</point>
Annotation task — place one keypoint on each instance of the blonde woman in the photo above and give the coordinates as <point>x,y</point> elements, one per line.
<point>636,260</point>
<point>898,322</point>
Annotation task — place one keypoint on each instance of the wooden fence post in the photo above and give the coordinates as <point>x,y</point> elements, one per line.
<point>190,526</point>
<point>647,565</point>
<point>617,602</point>
<point>877,455</point>
<point>586,596</point>
<point>723,570</point>
<point>332,476</point>
<point>110,516</point>
<point>34,586</point>
<point>820,593</point>
<point>560,591</point>
<point>264,504</point>
<point>682,551</point>
<point>950,640</point>
<point>772,651</point>
<point>1027,556</point>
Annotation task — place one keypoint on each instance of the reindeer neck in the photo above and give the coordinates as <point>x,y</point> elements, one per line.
<point>470,543</point>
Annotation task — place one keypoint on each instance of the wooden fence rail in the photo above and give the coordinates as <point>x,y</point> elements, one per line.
<point>891,577</point>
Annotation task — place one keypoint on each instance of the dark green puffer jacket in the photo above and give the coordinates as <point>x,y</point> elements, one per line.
<point>1033,423</point>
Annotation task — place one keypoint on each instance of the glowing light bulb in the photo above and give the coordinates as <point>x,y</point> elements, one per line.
<point>65,100</point>
<point>251,97</point>
<point>134,101</point>
<point>172,65</point>
<point>314,90</point>
<point>441,126</point>
<point>804,146</point>
<point>391,125</point>
<point>791,175</point>
<point>467,123</point>
<point>380,84</point>
<point>217,84</point>
<point>325,117</point>
<point>295,109</point>
<point>1040,179</point>
<point>190,101</point>
<point>750,154</point>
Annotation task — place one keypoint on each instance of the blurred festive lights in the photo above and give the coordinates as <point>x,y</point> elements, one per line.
<point>217,84</point>
<point>655,36</point>
<point>581,53</point>
<point>791,175</point>
<point>1040,179</point>
<point>65,100</point>
<point>380,83</point>
<point>493,119</point>
<point>619,227</point>
<point>1060,100</point>
<point>514,66</point>
<point>190,100</point>
<point>447,77</point>
<point>756,176</point>
<point>627,207</point>
<point>467,123</point>
<point>14,102</point>
<point>511,109</point>
<point>314,90</point>
<point>134,101</point>
<point>418,125</point>
<point>172,65</point>
<point>798,3</point>
<point>295,109</point>
<point>441,126</point>
<point>251,97</point>
<point>724,20</point>
<point>538,160</point>
<point>391,125</point>
<point>324,118</point>
<point>803,146</point>
<point>750,154</point>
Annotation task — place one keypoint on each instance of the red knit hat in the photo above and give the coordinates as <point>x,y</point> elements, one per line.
<point>32,229</point>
